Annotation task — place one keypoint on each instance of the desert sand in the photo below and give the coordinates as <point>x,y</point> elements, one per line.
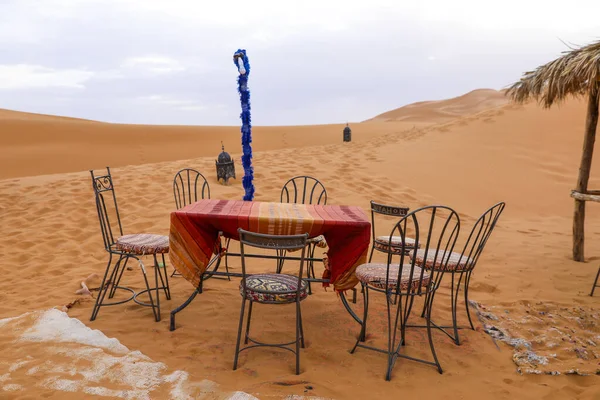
<point>468,153</point>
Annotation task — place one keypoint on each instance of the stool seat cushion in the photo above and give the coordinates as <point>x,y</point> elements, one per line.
<point>449,262</point>
<point>273,288</point>
<point>374,274</point>
<point>143,243</point>
<point>383,243</point>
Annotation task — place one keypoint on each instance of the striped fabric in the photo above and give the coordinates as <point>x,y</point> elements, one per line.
<point>194,230</point>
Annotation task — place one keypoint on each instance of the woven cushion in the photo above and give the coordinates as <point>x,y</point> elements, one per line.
<point>383,243</point>
<point>453,260</point>
<point>143,243</point>
<point>265,288</point>
<point>374,274</point>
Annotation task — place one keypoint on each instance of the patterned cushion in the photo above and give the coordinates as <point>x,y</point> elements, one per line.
<point>383,243</point>
<point>268,288</point>
<point>374,274</point>
<point>453,260</point>
<point>143,243</point>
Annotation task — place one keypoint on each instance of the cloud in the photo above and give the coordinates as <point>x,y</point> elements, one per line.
<point>153,64</point>
<point>176,103</point>
<point>24,76</point>
<point>170,62</point>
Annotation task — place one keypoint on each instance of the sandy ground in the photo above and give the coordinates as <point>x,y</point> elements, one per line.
<point>523,155</point>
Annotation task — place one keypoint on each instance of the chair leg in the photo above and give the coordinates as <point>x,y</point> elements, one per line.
<point>312,263</point>
<point>466,290</point>
<point>157,273</point>
<point>239,335</point>
<point>227,258</point>
<point>162,285</point>
<point>149,291</point>
<point>113,289</point>
<point>280,260</point>
<point>391,334</point>
<point>595,282</point>
<point>248,322</point>
<point>454,303</point>
<point>404,321</point>
<point>309,266</point>
<point>424,306</point>
<point>363,328</point>
<point>371,255</point>
<point>429,300</point>
<point>301,327</point>
<point>166,282</point>
<point>226,263</point>
<point>298,336</point>
<point>104,287</point>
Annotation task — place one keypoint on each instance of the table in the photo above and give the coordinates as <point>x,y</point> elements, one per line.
<point>194,233</point>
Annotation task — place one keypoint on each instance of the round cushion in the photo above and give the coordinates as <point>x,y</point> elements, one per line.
<point>383,243</point>
<point>273,288</point>
<point>455,263</point>
<point>143,243</point>
<point>374,274</point>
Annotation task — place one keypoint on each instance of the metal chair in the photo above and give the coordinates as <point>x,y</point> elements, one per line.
<point>186,188</point>
<point>189,186</point>
<point>271,289</point>
<point>383,243</point>
<point>437,227</point>
<point>461,265</point>
<point>125,247</point>
<point>304,190</point>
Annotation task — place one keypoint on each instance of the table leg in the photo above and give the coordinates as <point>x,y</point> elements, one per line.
<point>348,308</point>
<point>184,305</point>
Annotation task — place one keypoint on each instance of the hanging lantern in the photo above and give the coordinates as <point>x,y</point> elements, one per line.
<point>225,167</point>
<point>347,134</point>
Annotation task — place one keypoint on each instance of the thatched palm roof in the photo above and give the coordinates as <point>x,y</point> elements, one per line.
<point>576,72</point>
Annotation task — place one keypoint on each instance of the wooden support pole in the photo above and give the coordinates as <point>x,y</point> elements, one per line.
<point>584,174</point>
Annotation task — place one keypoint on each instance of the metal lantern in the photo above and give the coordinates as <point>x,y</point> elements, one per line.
<point>347,134</point>
<point>225,167</point>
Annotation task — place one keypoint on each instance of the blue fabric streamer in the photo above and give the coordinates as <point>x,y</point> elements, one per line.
<point>247,180</point>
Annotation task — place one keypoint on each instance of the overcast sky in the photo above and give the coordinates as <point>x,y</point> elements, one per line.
<point>170,61</point>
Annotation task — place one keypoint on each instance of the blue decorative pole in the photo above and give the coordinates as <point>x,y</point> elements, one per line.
<point>241,62</point>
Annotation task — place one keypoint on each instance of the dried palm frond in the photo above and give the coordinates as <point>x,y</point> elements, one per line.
<point>575,73</point>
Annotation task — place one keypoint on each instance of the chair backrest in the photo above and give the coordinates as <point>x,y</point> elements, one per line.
<point>385,210</point>
<point>272,242</point>
<point>106,206</point>
<point>304,190</point>
<point>435,229</point>
<point>188,186</point>
<point>479,235</point>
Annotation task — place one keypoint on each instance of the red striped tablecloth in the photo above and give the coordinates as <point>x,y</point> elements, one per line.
<point>194,232</point>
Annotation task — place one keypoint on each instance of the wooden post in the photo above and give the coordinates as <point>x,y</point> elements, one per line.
<point>584,174</point>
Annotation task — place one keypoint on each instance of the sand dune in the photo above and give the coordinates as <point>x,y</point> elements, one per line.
<point>11,115</point>
<point>36,146</point>
<point>523,155</point>
<point>446,110</point>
